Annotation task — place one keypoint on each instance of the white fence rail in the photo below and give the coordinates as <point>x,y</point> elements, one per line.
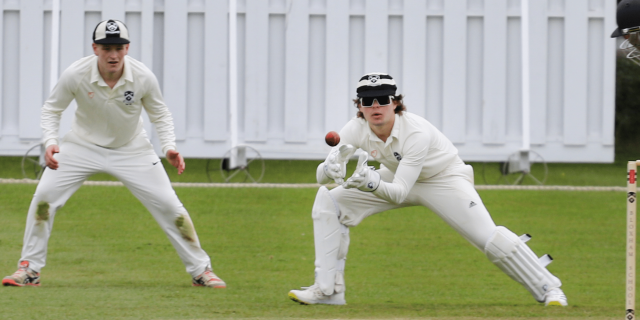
<point>458,62</point>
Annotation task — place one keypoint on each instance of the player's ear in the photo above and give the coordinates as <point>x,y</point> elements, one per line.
<point>95,48</point>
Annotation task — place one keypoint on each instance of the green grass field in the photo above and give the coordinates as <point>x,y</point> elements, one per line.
<point>109,260</point>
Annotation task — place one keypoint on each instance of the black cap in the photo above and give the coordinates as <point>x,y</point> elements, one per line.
<point>111,32</point>
<point>376,84</point>
<point>628,18</point>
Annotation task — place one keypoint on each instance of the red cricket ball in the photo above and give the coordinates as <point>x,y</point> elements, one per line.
<point>332,138</point>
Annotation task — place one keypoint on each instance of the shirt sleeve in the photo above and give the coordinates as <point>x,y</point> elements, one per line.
<point>351,133</point>
<point>58,101</point>
<point>409,169</point>
<point>159,115</point>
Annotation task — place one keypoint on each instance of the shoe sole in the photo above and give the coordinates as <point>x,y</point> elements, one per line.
<point>554,303</point>
<point>12,283</point>
<point>295,298</point>
<point>215,287</point>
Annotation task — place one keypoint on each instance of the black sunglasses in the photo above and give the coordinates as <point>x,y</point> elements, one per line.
<point>382,101</point>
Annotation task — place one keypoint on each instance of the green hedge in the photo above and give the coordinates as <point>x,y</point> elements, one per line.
<point>627,129</point>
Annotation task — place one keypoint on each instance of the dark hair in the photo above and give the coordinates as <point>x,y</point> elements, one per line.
<point>398,110</point>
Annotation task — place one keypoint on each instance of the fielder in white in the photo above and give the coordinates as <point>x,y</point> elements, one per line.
<point>419,167</point>
<point>107,135</point>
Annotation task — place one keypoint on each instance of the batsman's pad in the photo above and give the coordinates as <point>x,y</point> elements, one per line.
<point>331,243</point>
<point>509,252</point>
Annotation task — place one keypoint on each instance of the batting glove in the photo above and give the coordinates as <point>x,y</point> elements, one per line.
<point>335,166</point>
<point>365,178</point>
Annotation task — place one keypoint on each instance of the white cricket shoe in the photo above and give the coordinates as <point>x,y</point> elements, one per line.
<point>208,279</point>
<point>313,295</point>
<point>25,276</point>
<point>555,297</point>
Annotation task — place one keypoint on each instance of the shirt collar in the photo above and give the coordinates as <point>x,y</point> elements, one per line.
<point>126,74</point>
<point>395,132</point>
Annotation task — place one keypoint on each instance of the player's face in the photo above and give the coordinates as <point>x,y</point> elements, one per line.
<point>633,39</point>
<point>111,56</point>
<point>378,115</point>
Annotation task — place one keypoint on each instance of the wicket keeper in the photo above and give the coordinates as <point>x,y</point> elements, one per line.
<point>419,167</point>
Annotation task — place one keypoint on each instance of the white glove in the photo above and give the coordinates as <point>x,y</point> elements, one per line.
<point>365,178</point>
<point>335,166</point>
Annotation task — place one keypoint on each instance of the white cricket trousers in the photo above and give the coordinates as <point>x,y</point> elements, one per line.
<point>450,194</point>
<point>140,170</point>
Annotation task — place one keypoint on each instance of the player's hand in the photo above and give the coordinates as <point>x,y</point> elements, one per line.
<point>365,178</point>
<point>50,161</point>
<point>335,166</point>
<point>176,160</point>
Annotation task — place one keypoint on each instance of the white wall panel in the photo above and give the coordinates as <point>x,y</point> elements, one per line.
<point>454,66</point>
<point>538,22</point>
<point>72,33</point>
<point>357,50</point>
<point>337,94</point>
<point>10,69</point>
<point>513,106</point>
<point>555,80</point>
<point>31,65</point>
<point>195,79</point>
<point>296,72</point>
<point>216,76</point>
<point>395,50</point>
<point>434,72</point>
<point>2,69</point>
<point>114,9</point>
<point>594,79</point>
<point>256,70</point>
<point>457,62</point>
<point>175,63</point>
<point>575,87</point>
<point>495,72</point>
<point>414,51</point>
<point>276,105</point>
<point>473,80</point>
<point>72,48</point>
<point>316,85</point>
<point>608,75</point>
<point>376,36</point>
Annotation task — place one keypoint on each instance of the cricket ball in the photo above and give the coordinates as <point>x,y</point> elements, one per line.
<point>332,138</point>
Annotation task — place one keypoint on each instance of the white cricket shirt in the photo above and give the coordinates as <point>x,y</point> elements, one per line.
<point>415,151</point>
<point>108,117</point>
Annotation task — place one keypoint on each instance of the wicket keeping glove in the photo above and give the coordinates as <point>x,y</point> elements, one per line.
<point>365,178</point>
<point>335,166</point>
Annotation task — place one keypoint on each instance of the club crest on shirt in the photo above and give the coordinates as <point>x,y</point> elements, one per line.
<point>90,95</point>
<point>398,156</point>
<point>374,153</point>
<point>128,98</point>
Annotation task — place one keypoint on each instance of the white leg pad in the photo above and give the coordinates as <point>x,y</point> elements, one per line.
<point>509,252</point>
<point>331,243</point>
